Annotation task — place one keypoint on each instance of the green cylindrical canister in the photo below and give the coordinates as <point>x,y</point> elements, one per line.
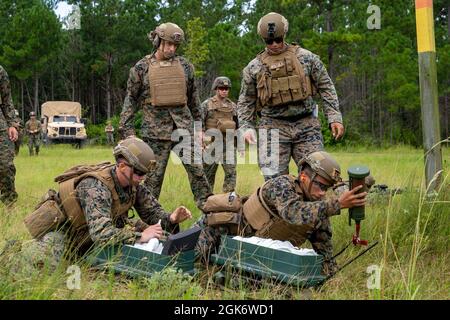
<point>357,175</point>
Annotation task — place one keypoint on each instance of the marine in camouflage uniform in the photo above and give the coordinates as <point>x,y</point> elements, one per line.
<point>109,131</point>
<point>220,115</point>
<point>100,225</point>
<point>33,128</point>
<point>159,122</point>
<point>8,127</point>
<point>299,128</point>
<point>300,204</point>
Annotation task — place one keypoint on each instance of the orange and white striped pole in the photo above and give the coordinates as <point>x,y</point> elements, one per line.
<point>429,93</point>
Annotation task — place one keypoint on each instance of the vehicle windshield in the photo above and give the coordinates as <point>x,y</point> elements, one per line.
<point>64,119</point>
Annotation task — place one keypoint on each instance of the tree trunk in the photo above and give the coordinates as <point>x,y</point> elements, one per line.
<point>94,118</point>
<point>73,84</point>
<point>28,96</point>
<point>53,85</point>
<point>36,93</point>
<point>22,102</point>
<point>108,86</point>
<point>44,93</point>
<point>329,28</point>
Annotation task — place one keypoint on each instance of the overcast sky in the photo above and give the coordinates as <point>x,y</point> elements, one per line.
<point>63,9</point>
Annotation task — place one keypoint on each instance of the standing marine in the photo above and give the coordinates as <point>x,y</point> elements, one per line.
<point>220,118</point>
<point>33,129</point>
<point>162,85</point>
<point>109,131</point>
<point>279,85</point>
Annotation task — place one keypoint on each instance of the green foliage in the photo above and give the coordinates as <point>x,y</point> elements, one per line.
<point>96,132</point>
<point>197,48</point>
<point>375,71</point>
<point>32,39</point>
<point>172,284</point>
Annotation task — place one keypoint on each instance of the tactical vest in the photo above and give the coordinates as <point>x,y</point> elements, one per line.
<point>33,125</point>
<point>167,83</point>
<point>269,224</point>
<point>282,79</point>
<point>71,205</point>
<point>220,115</point>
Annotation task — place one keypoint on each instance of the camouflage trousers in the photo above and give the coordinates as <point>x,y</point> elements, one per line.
<point>8,192</point>
<point>210,237</point>
<point>197,179</point>
<point>229,168</point>
<point>296,140</point>
<point>110,138</point>
<point>46,252</point>
<point>34,143</point>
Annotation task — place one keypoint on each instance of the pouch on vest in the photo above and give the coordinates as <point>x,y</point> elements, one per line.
<point>255,214</point>
<point>167,83</point>
<point>221,218</point>
<point>46,217</point>
<point>230,220</point>
<point>223,202</point>
<point>285,76</point>
<point>276,95</point>
<point>278,229</point>
<point>284,89</point>
<point>224,124</point>
<point>264,89</point>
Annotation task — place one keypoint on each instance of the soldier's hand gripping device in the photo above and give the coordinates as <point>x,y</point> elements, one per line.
<point>357,175</point>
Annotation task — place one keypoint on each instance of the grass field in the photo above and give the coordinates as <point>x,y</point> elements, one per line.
<point>413,231</point>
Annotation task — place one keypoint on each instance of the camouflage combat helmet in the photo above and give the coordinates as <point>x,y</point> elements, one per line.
<point>32,114</point>
<point>273,25</point>
<point>167,31</point>
<point>138,154</point>
<point>221,82</point>
<point>324,165</point>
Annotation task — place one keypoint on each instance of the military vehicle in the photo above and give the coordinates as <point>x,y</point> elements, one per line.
<point>62,123</point>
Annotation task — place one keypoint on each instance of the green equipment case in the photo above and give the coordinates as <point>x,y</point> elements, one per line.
<point>268,263</point>
<point>137,262</point>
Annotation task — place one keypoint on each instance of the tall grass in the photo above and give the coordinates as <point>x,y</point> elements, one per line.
<point>412,229</point>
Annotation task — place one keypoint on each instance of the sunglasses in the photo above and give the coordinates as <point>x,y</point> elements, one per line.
<point>223,88</point>
<point>322,186</point>
<point>138,172</point>
<point>271,41</point>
